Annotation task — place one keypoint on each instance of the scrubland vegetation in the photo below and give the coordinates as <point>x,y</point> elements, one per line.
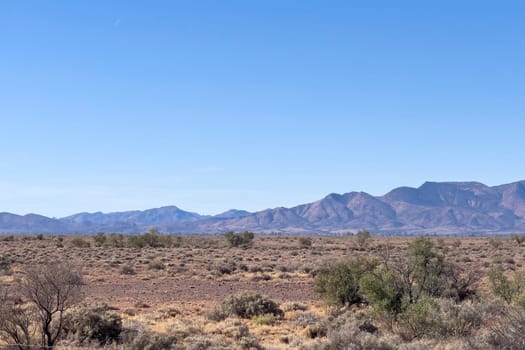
<point>240,291</point>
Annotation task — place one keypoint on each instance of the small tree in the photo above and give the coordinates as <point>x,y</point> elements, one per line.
<point>53,289</point>
<point>362,238</point>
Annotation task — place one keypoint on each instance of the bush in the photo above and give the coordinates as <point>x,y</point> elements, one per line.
<point>247,305</point>
<point>244,239</point>
<point>362,238</point>
<point>518,238</point>
<point>145,340</point>
<point>418,320</point>
<point>80,243</point>
<point>504,288</point>
<point>460,320</point>
<point>382,289</point>
<point>508,330</point>
<point>86,324</point>
<point>338,284</point>
<point>265,319</point>
<point>356,331</point>
<point>305,242</point>
<point>127,270</point>
<point>151,239</point>
<point>5,265</point>
<point>100,239</point>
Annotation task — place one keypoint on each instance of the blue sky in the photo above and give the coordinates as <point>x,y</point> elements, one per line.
<point>212,105</point>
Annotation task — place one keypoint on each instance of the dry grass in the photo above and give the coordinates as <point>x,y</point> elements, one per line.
<point>174,289</point>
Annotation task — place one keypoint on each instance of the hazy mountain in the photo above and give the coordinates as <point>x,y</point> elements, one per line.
<point>434,207</point>
<point>166,219</point>
<point>30,223</point>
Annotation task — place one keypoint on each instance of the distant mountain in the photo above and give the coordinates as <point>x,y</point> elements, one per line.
<point>434,207</point>
<point>168,218</point>
<point>232,213</point>
<point>30,223</point>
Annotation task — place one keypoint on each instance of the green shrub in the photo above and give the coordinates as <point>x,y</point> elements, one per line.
<point>338,284</point>
<point>150,239</point>
<point>418,320</point>
<point>247,305</point>
<point>86,324</point>
<point>244,239</point>
<point>383,290</point>
<point>504,288</point>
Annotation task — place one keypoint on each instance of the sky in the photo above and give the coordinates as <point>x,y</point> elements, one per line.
<point>212,105</point>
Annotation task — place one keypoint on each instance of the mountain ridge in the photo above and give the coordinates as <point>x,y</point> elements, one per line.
<point>432,208</point>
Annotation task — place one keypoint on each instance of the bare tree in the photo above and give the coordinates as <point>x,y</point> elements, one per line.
<point>53,289</point>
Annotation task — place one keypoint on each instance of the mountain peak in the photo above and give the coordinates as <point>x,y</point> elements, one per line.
<point>433,207</point>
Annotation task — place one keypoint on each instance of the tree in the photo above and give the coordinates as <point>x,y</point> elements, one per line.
<point>362,238</point>
<point>53,289</point>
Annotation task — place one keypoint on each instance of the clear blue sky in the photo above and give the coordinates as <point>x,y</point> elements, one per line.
<point>212,105</point>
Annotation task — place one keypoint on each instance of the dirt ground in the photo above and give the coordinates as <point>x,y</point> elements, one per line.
<point>194,274</point>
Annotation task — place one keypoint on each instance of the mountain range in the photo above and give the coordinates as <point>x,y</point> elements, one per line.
<point>432,208</point>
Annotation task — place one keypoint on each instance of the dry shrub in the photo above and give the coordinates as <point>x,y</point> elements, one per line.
<point>92,323</point>
<point>246,305</point>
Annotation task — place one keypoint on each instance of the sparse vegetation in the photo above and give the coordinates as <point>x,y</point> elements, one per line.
<point>407,293</point>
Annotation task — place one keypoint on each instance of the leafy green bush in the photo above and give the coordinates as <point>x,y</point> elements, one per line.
<point>247,305</point>
<point>86,324</point>
<point>338,284</point>
<point>504,288</point>
<point>383,290</point>
<point>244,239</point>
